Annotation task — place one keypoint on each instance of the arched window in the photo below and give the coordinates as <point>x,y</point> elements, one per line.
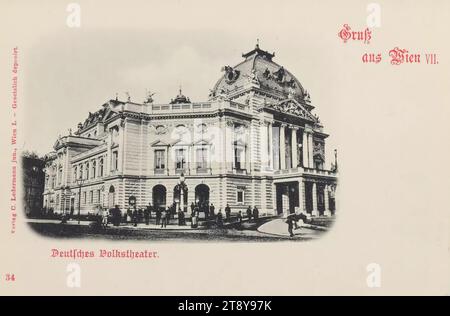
<point>100,167</point>
<point>87,170</point>
<point>81,172</point>
<point>94,166</point>
<point>75,173</point>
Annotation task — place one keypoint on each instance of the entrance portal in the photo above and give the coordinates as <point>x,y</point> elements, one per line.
<point>202,194</point>
<point>159,196</point>
<point>287,197</point>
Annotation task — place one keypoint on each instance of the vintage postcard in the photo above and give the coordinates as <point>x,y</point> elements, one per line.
<point>224,148</point>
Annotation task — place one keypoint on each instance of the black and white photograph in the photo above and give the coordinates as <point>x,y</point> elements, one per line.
<point>247,162</point>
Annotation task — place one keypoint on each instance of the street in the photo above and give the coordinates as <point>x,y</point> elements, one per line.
<point>248,232</point>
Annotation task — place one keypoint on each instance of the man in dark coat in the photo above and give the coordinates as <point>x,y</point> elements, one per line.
<point>227,212</point>
<point>219,219</point>
<point>135,217</point>
<point>158,215</point>
<point>290,226</point>
<point>255,213</point>
<point>211,210</point>
<point>116,215</point>
<point>147,215</point>
<point>180,217</point>
<point>239,218</point>
<point>249,213</point>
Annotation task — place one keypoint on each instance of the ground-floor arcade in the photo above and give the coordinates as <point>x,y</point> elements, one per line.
<point>312,195</point>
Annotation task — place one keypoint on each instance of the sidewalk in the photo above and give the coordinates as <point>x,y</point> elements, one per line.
<point>278,227</point>
<point>122,225</point>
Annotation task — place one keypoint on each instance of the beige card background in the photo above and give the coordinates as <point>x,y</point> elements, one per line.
<point>389,123</point>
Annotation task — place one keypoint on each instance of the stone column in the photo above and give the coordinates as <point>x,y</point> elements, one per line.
<point>270,146</point>
<point>327,211</point>
<point>301,197</point>
<point>263,145</point>
<point>315,212</point>
<point>294,147</point>
<point>223,158</point>
<point>305,149</point>
<point>282,147</point>
<point>121,150</point>
<point>170,162</point>
<point>248,149</point>
<point>310,150</point>
<point>229,155</point>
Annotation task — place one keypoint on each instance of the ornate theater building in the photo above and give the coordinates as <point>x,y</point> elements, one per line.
<point>254,142</point>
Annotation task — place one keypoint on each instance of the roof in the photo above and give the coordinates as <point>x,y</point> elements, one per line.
<point>260,68</point>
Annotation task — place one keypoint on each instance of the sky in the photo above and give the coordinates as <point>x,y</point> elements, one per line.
<point>71,72</point>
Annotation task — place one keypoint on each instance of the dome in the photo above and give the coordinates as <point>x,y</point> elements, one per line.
<point>259,68</point>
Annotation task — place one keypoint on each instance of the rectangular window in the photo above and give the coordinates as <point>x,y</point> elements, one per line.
<point>239,158</point>
<point>160,159</point>
<point>240,196</point>
<point>84,197</point>
<point>180,159</point>
<point>91,197</point>
<point>202,158</point>
<point>115,161</point>
<point>98,196</point>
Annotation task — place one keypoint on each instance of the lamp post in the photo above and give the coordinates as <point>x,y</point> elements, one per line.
<point>80,182</point>
<point>182,186</point>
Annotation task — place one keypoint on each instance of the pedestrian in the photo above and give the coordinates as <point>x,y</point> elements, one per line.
<point>135,217</point>
<point>290,223</point>
<point>150,210</point>
<point>196,210</point>
<point>116,216</point>
<point>211,211</point>
<point>194,219</point>
<point>105,217</point>
<point>192,207</point>
<point>163,218</point>
<point>219,219</point>
<point>249,213</point>
<point>180,217</point>
<point>158,216</point>
<point>168,212</point>
<point>129,215</point>
<point>239,217</point>
<point>227,212</point>
<point>255,213</point>
<point>204,207</point>
<point>147,216</point>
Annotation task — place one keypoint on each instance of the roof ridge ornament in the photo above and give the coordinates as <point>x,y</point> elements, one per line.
<point>259,52</point>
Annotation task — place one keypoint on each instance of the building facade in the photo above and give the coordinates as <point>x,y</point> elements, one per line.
<point>254,142</point>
